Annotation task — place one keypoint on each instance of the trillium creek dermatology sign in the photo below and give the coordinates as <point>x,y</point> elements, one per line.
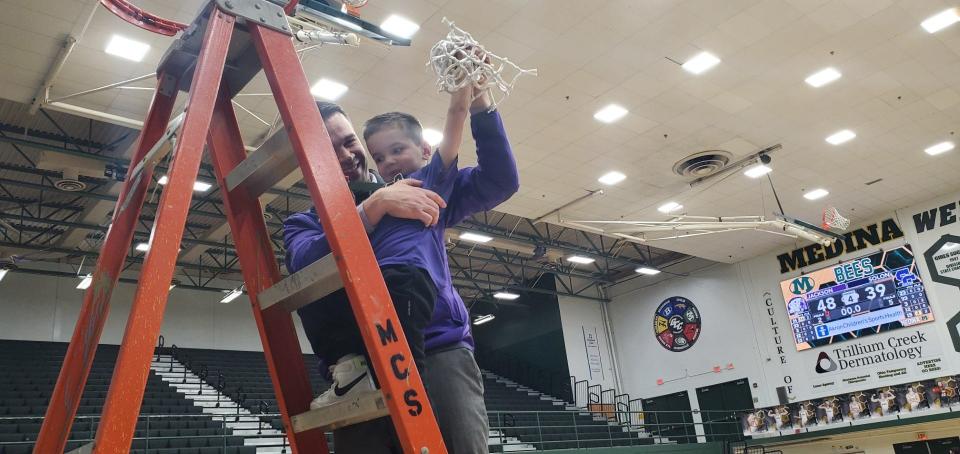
<point>855,240</point>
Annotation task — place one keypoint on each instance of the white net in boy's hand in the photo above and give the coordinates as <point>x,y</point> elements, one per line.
<point>459,60</point>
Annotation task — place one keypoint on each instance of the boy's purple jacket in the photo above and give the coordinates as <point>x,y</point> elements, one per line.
<point>475,189</point>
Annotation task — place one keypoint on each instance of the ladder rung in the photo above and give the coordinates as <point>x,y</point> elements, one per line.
<point>363,407</point>
<point>265,167</point>
<point>316,281</point>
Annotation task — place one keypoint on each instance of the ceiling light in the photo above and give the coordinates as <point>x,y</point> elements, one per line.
<point>610,113</point>
<point>475,237</point>
<point>143,247</point>
<point>646,270</point>
<point>941,147</point>
<point>700,63</point>
<point>85,282</point>
<point>400,26</point>
<point>823,77</point>
<point>580,259</point>
<point>232,295</point>
<point>815,194</point>
<point>840,137</point>
<point>757,171</point>
<point>483,319</point>
<point>669,207</point>
<point>611,178</point>
<point>3,272</point>
<point>174,283</point>
<point>328,89</point>
<point>127,48</point>
<point>940,20</point>
<point>506,296</point>
<point>198,186</point>
<point>432,136</point>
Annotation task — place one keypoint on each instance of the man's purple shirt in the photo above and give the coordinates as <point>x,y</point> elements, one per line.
<point>402,241</point>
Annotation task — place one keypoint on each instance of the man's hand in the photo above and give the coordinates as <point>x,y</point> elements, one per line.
<point>405,200</point>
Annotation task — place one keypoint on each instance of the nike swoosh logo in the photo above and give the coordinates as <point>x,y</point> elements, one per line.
<point>341,391</point>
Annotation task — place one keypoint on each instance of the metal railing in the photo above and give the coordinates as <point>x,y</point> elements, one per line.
<point>551,382</point>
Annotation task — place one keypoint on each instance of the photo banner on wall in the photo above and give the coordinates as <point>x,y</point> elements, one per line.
<point>591,345</point>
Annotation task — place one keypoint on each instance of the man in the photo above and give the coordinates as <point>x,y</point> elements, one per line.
<point>452,377</point>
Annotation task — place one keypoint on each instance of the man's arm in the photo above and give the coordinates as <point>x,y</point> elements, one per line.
<point>494,179</point>
<point>304,240</point>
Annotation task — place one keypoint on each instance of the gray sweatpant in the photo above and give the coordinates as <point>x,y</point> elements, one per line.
<point>455,388</point>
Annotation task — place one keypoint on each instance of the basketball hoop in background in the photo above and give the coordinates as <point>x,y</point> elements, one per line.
<point>459,60</point>
<point>352,7</point>
<point>137,16</point>
<point>833,219</point>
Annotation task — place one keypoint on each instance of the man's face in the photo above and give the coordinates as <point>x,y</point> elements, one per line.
<point>347,145</point>
<point>396,154</point>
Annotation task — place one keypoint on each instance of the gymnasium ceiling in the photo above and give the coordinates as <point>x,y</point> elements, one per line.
<point>899,92</point>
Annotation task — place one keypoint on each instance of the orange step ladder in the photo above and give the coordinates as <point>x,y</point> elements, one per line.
<point>227,45</point>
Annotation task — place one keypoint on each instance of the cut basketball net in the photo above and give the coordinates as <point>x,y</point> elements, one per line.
<point>833,219</point>
<point>459,60</point>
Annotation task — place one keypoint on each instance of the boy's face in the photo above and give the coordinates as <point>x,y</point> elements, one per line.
<point>396,154</point>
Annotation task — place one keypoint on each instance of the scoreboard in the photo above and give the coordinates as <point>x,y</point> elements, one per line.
<point>860,297</point>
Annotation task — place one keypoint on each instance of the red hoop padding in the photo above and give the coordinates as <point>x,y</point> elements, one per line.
<point>136,16</point>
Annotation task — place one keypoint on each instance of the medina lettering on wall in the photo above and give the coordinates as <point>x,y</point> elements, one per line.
<point>861,238</point>
<point>935,217</point>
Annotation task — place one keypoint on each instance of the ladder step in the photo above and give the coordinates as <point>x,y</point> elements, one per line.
<point>363,407</point>
<point>265,167</point>
<point>317,280</point>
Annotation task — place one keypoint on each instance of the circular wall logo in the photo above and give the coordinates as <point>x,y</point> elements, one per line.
<point>677,324</point>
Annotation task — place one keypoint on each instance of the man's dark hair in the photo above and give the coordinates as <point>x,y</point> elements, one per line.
<point>405,122</point>
<point>329,109</point>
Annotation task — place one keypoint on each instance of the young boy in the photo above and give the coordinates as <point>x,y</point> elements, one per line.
<point>412,257</point>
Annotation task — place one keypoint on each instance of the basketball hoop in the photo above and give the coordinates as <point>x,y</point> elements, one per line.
<point>833,219</point>
<point>137,16</point>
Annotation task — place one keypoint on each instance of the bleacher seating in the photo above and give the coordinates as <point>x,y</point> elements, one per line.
<point>28,373</point>
<point>559,429</point>
<point>554,427</point>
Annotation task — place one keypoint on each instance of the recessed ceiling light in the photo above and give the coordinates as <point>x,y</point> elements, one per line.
<point>330,90</point>
<point>198,186</point>
<point>940,20</point>
<point>143,247</point>
<point>506,296</point>
<point>840,137</point>
<point>611,178</point>
<point>669,207</point>
<point>127,48</point>
<point>432,136</point>
<point>483,319</point>
<point>823,77</point>
<point>3,272</point>
<point>610,113</point>
<point>757,171</point>
<point>815,194</point>
<point>475,237</point>
<point>700,63</point>
<point>400,26</point>
<point>646,270</point>
<point>941,147</point>
<point>85,282</point>
<point>581,259</point>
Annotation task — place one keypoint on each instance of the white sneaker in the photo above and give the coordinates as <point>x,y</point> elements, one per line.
<point>351,378</point>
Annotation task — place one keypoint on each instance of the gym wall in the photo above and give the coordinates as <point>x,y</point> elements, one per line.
<point>43,308</point>
<point>745,330</point>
